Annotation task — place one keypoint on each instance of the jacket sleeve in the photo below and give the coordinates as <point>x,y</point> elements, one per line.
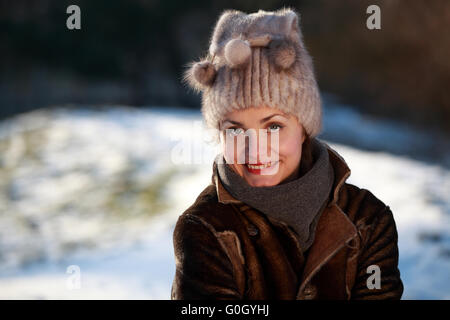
<point>203,268</point>
<point>379,253</point>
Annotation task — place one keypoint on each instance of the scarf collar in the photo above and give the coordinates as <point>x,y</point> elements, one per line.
<point>299,202</point>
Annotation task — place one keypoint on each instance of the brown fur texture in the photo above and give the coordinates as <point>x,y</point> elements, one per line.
<point>199,75</point>
<point>282,53</point>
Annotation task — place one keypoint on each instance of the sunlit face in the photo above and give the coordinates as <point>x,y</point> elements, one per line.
<point>259,167</point>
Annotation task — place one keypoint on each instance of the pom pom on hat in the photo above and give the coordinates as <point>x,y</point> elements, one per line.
<point>200,74</point>
<point>282,53</point>
<point>237,53</point>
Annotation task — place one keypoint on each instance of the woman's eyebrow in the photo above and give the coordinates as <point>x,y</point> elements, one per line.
<point>233,122</point>
<point>273,115</point>
<point>261,121</point>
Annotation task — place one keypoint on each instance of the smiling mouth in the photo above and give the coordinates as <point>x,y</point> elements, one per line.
<point>259,166</point>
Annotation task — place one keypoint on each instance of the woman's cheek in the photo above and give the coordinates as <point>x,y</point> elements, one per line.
<point>290,149</point>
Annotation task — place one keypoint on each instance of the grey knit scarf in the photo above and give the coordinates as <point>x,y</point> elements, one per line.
<point>299,202</point>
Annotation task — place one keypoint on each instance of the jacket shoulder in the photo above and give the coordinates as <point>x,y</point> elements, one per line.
<point>360,204</point>
<point>378,239</point>
<point>204,266</point>
<point>208,209</point>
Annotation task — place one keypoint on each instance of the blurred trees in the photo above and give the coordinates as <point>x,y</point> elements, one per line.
<point>401,71</point>
<point>133,52</point>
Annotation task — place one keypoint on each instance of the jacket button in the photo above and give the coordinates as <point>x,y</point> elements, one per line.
<point>252,230</point>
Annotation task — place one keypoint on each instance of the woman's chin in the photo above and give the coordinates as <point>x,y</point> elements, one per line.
<point>263,178</point>
<point>261,181</point>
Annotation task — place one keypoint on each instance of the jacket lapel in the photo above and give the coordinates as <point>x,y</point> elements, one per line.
<point>223,195</point>
<point>334,230</point>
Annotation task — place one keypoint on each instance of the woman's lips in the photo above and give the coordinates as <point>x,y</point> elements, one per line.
<point>258,167</point>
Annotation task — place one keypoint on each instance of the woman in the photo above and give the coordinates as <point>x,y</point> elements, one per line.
<point>284,225</point>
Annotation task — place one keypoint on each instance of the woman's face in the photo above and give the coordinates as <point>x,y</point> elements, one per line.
<point>280,160</point>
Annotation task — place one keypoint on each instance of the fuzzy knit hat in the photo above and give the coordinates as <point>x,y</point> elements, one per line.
<point>256,60</point>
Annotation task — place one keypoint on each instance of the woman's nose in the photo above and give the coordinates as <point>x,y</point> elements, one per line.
<point>258,145</point>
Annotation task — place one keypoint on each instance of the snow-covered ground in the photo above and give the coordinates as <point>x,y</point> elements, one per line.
<point>102,189</point>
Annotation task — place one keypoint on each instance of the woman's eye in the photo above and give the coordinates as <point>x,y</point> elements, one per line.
<point>274,127</point>
<point>235,131</point>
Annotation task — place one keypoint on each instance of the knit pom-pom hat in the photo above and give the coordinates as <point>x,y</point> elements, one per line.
<point>257,60</point>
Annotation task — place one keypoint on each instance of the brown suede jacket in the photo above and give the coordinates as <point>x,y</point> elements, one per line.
<point>225,249</point>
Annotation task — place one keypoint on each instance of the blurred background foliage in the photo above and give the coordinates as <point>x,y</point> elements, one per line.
<point>134,53</point>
